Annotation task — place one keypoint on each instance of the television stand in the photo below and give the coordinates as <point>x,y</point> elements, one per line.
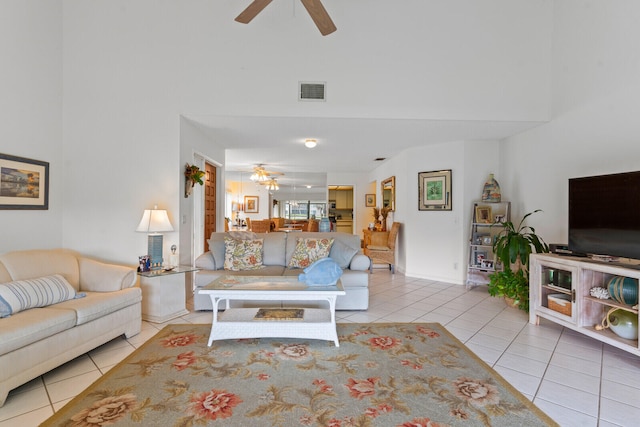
<point>571,278</point>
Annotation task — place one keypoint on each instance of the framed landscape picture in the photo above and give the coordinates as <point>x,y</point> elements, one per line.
<point>434,190</point>
<point>370,200</point>
<point>24,183</point>
<point>251,204</point>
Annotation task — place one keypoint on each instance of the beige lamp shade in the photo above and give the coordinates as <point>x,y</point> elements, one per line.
<point>154,221</point>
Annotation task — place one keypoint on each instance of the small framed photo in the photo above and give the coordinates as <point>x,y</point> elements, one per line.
<point>251,204</point>
<point>24,183</point>
<point>486,263</point>
<point>477,240</point>
<point>480,256</point>
<point>483,215</point>
<point>498,219</point>
<point>370,200</point>
<point>434,190</point>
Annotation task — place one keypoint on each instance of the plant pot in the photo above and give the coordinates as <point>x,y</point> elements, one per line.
<point>510,302</point>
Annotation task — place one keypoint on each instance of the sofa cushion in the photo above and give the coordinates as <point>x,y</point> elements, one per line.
<point>309,250</point>
<point>33,325</point>
<point>98,304</point>
<point>97,276</point>
<point>35,263</point>
<point>342,253</point>
<point>32,293</point>
<point>274,249</point>
<point>242,255</point>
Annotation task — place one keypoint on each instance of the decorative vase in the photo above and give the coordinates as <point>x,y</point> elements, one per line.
<point>623,323</point>
<point>623,290</point>
<point>324,225</point>
<point>491,190</point>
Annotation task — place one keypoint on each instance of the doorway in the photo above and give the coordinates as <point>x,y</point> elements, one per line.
<point>209,202</point>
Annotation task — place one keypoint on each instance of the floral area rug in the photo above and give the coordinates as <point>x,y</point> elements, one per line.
<point>401,374</point>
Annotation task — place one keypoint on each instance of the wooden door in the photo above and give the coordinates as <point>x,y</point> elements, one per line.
<point>209,202</point>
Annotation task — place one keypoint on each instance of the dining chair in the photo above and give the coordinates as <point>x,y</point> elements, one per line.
<point>384,254</point>
<point>261,226</point>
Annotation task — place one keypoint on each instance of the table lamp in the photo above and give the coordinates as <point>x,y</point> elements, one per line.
<point>153,222</point>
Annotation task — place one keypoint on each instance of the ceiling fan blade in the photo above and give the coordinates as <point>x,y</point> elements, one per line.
<point>320,16</point>
<point>252,10</point>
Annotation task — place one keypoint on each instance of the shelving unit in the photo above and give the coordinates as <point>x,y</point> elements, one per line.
<point>482,261</point>
<point>552,274</point>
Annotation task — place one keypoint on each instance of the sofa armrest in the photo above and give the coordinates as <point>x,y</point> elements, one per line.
<point>206,261</point>
<point>97,276</point>
<point>360,262</point>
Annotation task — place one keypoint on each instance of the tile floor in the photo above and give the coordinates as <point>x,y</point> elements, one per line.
<point>576,380</point>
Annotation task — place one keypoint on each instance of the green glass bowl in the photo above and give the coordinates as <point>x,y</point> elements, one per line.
<point>624,324</point>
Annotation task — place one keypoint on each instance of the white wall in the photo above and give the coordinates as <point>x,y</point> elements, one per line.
<point>132,69</point>
<point>596,102</point>
<point>433,245</point>
<point>31,111</point>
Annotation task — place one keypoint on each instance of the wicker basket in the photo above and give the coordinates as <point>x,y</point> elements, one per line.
<point>560,303</point>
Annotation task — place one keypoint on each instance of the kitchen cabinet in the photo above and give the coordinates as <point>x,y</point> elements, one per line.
<point>344,226</point>
<point>344,199</point>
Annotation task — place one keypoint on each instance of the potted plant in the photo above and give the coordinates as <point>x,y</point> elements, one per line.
<point>193,176</point>
<point>512,246</point>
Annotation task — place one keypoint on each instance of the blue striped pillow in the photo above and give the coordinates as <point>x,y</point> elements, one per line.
<point>24,294</point>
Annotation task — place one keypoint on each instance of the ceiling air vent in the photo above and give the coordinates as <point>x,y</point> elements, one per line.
<point>312,91</point>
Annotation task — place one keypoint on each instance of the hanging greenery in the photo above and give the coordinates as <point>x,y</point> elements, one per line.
<point>193,176</point>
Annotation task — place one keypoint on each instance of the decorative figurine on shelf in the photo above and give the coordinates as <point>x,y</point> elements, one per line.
<point>491,190</point>
<point>193,175</point>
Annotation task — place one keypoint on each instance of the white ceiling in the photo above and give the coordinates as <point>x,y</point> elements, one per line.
<point>344,144</point>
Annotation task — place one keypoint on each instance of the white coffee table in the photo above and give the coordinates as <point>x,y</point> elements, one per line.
<point>234,323</point>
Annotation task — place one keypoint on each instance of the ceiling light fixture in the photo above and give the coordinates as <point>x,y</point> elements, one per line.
<point>259,174</point>
<point>272,185</point>
<point>310,143</point>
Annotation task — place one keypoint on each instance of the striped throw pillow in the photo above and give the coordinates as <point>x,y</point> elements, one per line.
<point>24,294</point>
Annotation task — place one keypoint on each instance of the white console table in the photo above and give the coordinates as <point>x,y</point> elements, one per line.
<point>574,277</point>
<point>164,294</point>
<point>236,323</point>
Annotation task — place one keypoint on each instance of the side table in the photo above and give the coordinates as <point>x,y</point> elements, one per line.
<point>164,293</point>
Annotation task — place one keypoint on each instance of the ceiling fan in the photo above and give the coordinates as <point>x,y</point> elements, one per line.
<point>261,175</point>
<point>315,8</point>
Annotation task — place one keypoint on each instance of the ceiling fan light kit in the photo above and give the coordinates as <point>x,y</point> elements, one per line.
<point>316,10</point>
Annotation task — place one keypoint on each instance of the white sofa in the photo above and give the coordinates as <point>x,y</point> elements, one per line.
<point>278,248</point>
<point>35,340</point>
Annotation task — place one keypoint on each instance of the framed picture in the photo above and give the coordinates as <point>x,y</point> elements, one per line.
<point>24,183</point>
<point>434,190</point>
<point>486,263</point>
<point>483,215</point>
<point>251,204</point>
<point>479,257</point>
<point>370,200</point>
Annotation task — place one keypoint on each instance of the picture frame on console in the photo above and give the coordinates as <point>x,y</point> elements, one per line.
<point>251,204</point>
<point>24,183</point>
<point>434,190</point>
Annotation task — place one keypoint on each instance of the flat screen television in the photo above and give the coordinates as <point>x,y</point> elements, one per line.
<point>604,215</point>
